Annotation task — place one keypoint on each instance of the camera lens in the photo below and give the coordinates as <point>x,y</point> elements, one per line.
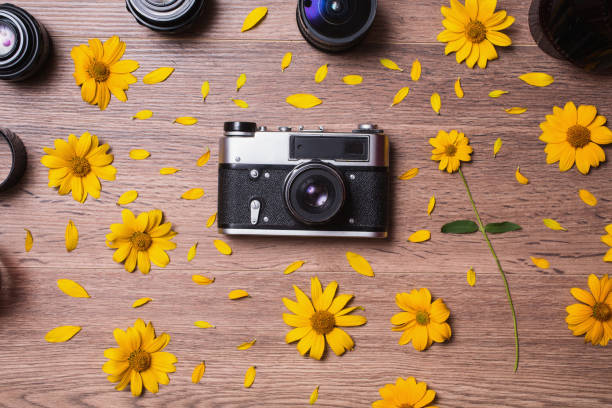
<point>335,25</point>
<point>169,16</point>
<point>24,43</point>
<point>314,193</point>
<point>13,159</point>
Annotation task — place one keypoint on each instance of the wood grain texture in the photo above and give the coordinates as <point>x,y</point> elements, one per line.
<point>473,370</point>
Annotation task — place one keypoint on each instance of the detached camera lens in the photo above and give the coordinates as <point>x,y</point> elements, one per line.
<point>169,16</point>
<point>24,43</point>
<point>335,25</point>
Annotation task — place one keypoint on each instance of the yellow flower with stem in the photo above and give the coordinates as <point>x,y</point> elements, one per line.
<point>422,321</point>
<point>446,151</point>
<point>139,359</point>
<point>141,240</point>
<point>607,239</point>
<point>473,30</point>
<point>405,393</point>
<point>318,319</point>
<point>77,165</point>
<point>99,71</point>
<point>573,135</point>
<point>592,317</point>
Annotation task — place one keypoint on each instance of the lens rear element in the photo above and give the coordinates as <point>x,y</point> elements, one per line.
<point>8,39</point>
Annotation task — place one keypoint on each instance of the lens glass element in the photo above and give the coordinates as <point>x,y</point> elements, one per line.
<point>314,192</point>
<point>337,18</point>
<point>7,39</point>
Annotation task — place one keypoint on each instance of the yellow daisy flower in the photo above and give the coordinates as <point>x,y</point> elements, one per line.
<point>422,321</point>
<point>405,393</point>
<point>473,29</point>
<point>99,71</point>
<point>595,317</point>
<point>141,240</point>
<point>607,239</point>
<point>450,149</point>
<point>139,359</point>
<point>318,320</point>
<point>76,165</point>
<point>574,135</point>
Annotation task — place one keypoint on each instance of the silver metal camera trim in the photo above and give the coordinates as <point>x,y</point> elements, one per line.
<point>304,233</point>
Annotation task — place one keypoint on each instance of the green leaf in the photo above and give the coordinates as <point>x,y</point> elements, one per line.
<point>501,227</point>
<point>460,227</point>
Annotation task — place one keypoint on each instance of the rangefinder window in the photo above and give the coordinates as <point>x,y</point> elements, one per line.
<point>329,148</point>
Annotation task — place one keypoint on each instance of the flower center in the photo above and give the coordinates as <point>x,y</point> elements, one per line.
<point>323,322</point>
<point>141,240</point>
<point>80,166</point>
<point>422,318</point>
<point>99,71</point>
<point>578,136</point>
<point>476,32</point>
<point>451,149</point>
<point>139,360</point>
<point>602,312</point>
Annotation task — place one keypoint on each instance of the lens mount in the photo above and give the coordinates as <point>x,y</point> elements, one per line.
<point>314,192</point>
<point>169,16</point>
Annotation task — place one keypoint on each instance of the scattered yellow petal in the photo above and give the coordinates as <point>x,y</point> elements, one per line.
<point>186,120</point>
<point>458,89</point>
<point>387,63</point>
<point>249,377</point>
<point>202,280</point>
<point>247,345</point>
<point>168,170</point>
<point>139,154</point>
<point>211,220</point>
<point>431,205</point>
<point>294,266</point>
<point>436,102</point>
<point>192,252</point>
<point>193,194</point>
<point>400,95</point>
<point>517,110</point>
<point>496,146</point>
<point>198,373</point>
<point>158,75</point>
<point>420,236</point>
<point>314,396</point>
<point>141,302</point>
<point>553,225</point>
<point>587,197</point>
<point>321,74</point>
<point>519,177</point>
<point>415,71</point>
<point>253,18</point>
<point>71,288</point>
<point>222,247</point>
<point>237,294</point>
<point>471,277</point>
<point>62,333</point>
<point>303,101</point>
<point>540,262</point>
<point>204,158</point>
<point>203,325</point>
<point>537,79</point>
<point>127,197</point>
<point>353,79</point>
<point>240,81</point>
<point>359,264</point>
<point>205,90</point>
<point>29,240</point>
<point>497,93</point>
<point>72,236</point>
<point>286,61</point>
<point>143,114</point>
<point>409,174</point>
<point>240,103</point>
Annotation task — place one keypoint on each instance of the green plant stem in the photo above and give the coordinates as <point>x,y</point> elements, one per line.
<point>501,271</point>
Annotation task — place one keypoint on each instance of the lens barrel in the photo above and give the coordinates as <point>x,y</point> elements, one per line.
<point>335,25</point>
<point>579,31</point>
<point>169,16</point>
<point>24,43</point>
<point>18,159</point>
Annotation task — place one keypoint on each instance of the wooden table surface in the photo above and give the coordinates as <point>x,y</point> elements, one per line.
<point>474,369</point>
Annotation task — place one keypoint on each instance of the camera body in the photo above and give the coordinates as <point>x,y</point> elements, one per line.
<point>303,183</point>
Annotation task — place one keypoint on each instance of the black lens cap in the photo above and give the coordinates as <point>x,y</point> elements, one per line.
<point>249,127</point>
<point>169,16</point>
